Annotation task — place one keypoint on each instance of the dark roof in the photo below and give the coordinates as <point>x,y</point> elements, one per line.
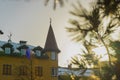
<point>23,42</point>
<point>15,46</point>
<point>7,45</point>
<point>51,44</point>
<point>22,47</point>
<point>38,48</point>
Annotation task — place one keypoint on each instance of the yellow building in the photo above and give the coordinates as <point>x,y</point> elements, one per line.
<point>25,63</point>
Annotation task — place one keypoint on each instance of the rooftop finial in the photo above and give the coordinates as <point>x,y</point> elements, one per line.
<point>50,20</point>
<point>9,37</point>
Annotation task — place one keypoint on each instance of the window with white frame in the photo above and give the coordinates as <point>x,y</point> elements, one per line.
<point>23,51</point>
<point>38,71</point>
<point>54,71</point>
<point>7,50</point>
<point>23,70</point>
<point>7,69</point>
<point>38,52</point>
<point>53,56</point>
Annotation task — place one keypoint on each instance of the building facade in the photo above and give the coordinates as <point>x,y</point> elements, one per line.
<point>22,62</point>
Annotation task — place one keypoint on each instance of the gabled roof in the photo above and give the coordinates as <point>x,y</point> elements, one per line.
<point>51,44</point>
<point>38,48</point>
<point>7,45</point>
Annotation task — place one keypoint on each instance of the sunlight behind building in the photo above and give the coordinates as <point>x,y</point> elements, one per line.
<point>101,52</point>
<point>70,50</point>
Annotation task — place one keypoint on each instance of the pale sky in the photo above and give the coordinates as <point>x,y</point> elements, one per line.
<point>29,20</point>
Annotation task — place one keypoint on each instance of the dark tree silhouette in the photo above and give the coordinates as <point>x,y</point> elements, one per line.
<point>109,7</point>
<point>88,26</point>
<point>86,59</point>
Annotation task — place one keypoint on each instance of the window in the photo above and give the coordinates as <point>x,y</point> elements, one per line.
<point>53,55</point>
<point>23,70</point>
<point>7,50</point>
<point>23,51</point>
<point>7,69</point>
<point>54,71</point>
<point>38,52</point>
<point>38,71</point>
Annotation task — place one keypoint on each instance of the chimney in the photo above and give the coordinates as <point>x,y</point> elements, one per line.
<point>23,42</point>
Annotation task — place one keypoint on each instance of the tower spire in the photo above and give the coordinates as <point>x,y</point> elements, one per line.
<point>51,44</point>
<point>50,21</point>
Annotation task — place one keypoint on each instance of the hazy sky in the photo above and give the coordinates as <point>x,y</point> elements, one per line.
<point>29,20</point>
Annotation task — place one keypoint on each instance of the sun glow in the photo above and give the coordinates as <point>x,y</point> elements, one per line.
<point>72,49</point>
<point>69,50</point>
<point>56,1</point>
<point>101,52</point>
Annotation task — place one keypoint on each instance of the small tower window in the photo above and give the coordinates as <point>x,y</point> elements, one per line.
<point>23,51</point>
<point>53,55</point>
<point>38,52</point>
<point>7,50</point>
<point>54,71</point>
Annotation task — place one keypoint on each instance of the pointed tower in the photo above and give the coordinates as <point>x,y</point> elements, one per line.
<point>51,45</point>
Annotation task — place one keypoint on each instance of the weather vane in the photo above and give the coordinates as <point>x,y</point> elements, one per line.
<point>9,36</point>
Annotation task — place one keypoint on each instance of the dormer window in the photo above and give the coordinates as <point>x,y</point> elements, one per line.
<point>7,50</point>
<point>53,56</point>
<point>38,52</point>
<point>23,51</point>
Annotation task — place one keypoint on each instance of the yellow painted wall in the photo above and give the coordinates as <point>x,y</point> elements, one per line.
<point>46,64</point>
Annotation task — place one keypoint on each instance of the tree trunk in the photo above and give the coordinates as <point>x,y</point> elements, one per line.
<point>108,53</point>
